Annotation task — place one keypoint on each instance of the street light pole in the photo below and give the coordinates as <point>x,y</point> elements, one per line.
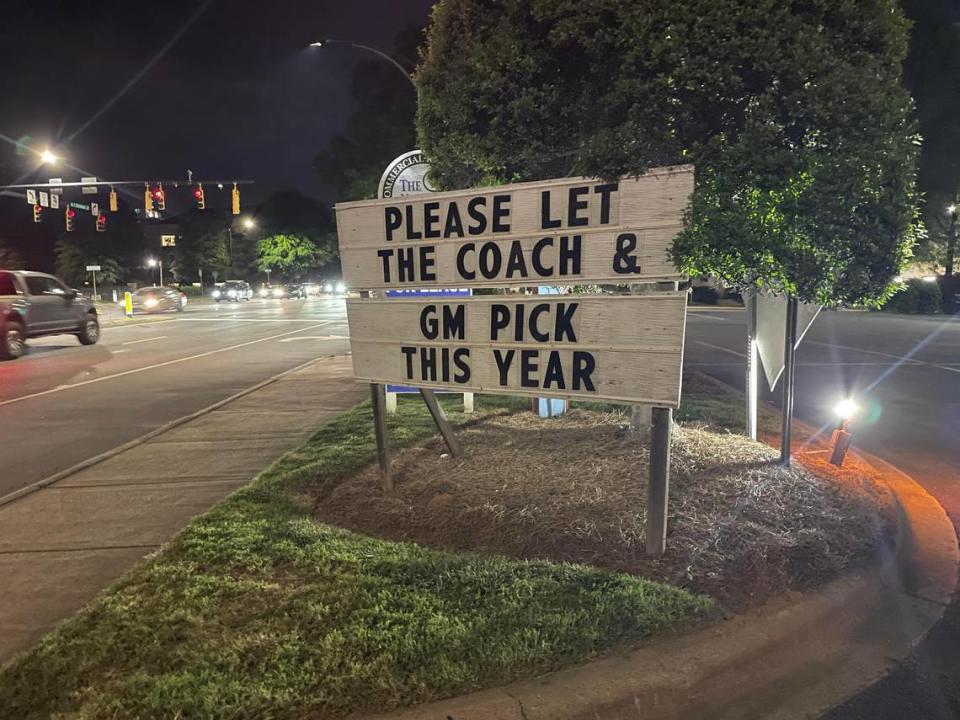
<point>375,51</point>
<point>952,211</point>
<point>230,235</point>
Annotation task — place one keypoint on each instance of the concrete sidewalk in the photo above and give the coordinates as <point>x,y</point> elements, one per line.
<point>61,545</point>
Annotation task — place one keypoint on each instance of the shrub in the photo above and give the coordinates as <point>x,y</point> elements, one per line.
<point>704,295</point>
<point>917,297</point>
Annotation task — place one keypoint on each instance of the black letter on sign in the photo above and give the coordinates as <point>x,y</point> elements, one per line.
<point>535,314</point>
<point>454,225</point>
<point>573,215</point>
<point>460,357</point>
<point>583,366</point>
<point>429,325</point>
<point>393,219</point>
<point>500,212</point>
<point>461,268</point>
<point>570,254</point>
<point>554,372</point>
<point>454,324</point>
<point>545,220</point>
<point>536,257</point>
<point>564,322</point>
<point>427,261</point>
<point>411,233</point>
<point>528,368</point>
<point>431,215</point>
<point>624,262</point>
<point>385,256</point>
<point>503,365</point>
<point>605,191</point>
<point>408,353</point>
<point>499,319</point>
<point>479,216</point>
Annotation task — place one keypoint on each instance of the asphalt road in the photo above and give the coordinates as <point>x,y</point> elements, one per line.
<point>904,372</point>
<point>63,403</point>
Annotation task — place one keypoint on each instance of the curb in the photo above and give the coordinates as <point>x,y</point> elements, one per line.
<point>794,657</point>
<point>50,480</point>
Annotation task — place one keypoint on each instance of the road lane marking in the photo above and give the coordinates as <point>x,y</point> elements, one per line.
<point>251,320</point>
<point>721,348</point>
<point>868,352</point>
<point>149,339</point>
<point>706,317</point>
<point>134,371</point>
<point>315,337</point>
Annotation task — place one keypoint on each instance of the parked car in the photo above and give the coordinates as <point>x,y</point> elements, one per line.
<point>158,299</point>
<point>235,290</point>
<point>35,304</point>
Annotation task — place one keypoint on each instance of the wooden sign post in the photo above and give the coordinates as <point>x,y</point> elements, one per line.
<point>616,348</point>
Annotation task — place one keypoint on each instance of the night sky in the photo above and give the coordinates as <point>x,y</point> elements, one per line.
<point>238,95</point>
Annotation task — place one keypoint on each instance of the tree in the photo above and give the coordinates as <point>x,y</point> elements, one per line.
<point>932,73</point>
<point>380,128</point>
<point>10,258</point>
<point>290,254</point>
<point>794,115</point>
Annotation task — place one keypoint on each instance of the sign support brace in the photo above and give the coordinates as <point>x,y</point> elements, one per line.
<point>379,402</point>
<point>430,400</point>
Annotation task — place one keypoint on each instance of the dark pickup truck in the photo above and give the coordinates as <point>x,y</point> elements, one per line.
<point>34,304</point>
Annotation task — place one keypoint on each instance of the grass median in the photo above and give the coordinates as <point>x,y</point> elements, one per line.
<point>258,610</point>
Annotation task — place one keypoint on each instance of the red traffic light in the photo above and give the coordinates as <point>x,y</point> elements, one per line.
<point>198,193</point>
<point>102,218</point>
<point>71,213</point>
<point>158,194</point>
<point>37,208</point>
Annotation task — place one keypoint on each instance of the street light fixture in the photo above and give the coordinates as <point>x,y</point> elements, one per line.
<point>249,223</point>
<point>48,158</point>
<point>153,262</point>
<point>842,437</point>
<point>324,42</point>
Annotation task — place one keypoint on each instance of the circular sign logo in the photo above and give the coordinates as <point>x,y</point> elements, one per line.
<point>407,175</point>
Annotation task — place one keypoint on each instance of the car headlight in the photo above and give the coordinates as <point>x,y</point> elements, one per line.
<point>263,292</point>
<point>341,287</point>
<point>231,293</point>
<point>328,288</point>
<point>277,292</point>
<point>150,302</point>
<point>217,293</point>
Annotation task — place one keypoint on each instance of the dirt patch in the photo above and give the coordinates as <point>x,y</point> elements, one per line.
<point>741,528</point>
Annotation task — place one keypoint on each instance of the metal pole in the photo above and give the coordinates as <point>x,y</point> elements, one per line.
<point>658,485</point>
<point>753,358</point>
<point>379,402</point>
<point>94,285</point>
<point>790,345</point>
<point>230,235</point>
<point>160,262</point>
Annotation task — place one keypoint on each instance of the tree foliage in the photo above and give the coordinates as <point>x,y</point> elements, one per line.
<point>793,113</point>
<point>290,254</point>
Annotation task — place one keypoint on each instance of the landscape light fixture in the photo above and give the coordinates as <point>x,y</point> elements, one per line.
<point>842,437</point>
<point>951,209</point>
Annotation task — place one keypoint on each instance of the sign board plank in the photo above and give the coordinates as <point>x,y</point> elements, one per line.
<point>559,232</point>
<point>616,348</point>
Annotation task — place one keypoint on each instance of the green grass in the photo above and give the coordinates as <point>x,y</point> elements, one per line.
<point>257,611</point>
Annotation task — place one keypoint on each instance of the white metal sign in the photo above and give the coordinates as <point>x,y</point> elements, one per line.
<point>93,268</point>
<point>407,175</point>
<point>88,189</point>
<point>556,232</point>
<point>54,201</point>
<point>32,197</point>
<point>44,199</point>
<point>53,182</point>
<point>94,208</point>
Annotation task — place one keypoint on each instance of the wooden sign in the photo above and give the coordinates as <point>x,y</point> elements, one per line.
<point>626,348</point>
<point>556,232</point>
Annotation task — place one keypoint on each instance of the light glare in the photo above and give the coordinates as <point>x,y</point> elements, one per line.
<point>845,409</point>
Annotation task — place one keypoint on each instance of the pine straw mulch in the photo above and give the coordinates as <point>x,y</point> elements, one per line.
<point>741,528</point>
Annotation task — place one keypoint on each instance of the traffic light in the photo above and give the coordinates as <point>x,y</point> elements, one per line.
<point>101,223</point>
<point>235,200</point>
<point>201,199</point>
<point>147,199</point>
<point>37,213</point>
<point>68,217</point>
<point>160,198</point>
<point>113,200</point>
